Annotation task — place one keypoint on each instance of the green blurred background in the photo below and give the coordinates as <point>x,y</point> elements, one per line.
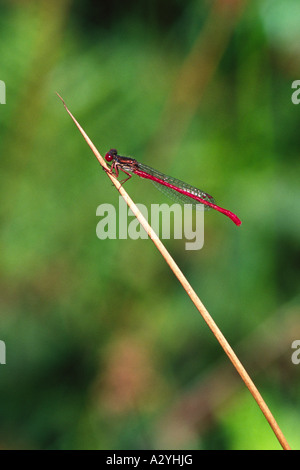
<point>104,349</point>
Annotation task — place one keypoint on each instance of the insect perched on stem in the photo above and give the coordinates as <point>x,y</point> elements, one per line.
<point>174,188</point>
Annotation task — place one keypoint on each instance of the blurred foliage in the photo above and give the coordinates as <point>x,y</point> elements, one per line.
<point>102,342</point>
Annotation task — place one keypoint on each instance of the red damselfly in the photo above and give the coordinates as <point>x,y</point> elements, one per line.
<point>174,188</point>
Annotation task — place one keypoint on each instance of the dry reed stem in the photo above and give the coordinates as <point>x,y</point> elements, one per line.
<point>190,291</point>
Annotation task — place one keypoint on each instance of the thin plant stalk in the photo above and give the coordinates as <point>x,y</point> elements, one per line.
<point>190,291</point>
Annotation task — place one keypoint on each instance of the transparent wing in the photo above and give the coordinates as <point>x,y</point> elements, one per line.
<point>175,195</point>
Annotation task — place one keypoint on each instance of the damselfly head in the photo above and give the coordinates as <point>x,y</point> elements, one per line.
<point>111,155</point>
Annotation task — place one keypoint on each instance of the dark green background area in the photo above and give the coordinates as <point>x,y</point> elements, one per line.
<point>104,348</point>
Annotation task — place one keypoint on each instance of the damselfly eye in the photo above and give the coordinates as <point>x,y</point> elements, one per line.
<point>111,154</point>
<point>108,157</point>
